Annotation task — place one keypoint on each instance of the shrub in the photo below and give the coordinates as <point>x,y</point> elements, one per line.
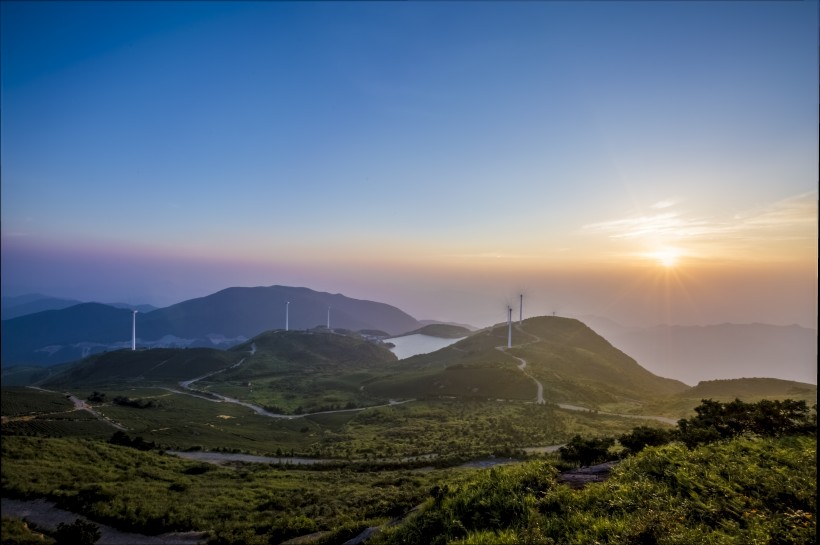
<point>586,452</point>
<point>79,532</point>
<point>643,436</point>
<point>769,418</point>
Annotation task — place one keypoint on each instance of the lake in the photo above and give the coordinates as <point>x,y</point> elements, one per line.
<point>410,345</point>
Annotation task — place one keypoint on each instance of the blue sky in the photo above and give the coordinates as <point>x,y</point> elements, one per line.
<point>425,154</point>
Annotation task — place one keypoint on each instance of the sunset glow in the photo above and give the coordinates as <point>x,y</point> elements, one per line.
<point>667,257</point>
<point>434,156</point>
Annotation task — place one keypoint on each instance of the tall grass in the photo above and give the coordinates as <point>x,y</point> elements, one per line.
<point>744,491</point>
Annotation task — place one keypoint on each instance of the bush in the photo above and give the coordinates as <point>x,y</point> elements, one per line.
<point>79,532</point>
<point>586,452</point>
<point>642,436</point>
<point>715,420</point>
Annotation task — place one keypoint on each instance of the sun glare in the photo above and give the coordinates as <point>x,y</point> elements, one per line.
<point>667,257</point>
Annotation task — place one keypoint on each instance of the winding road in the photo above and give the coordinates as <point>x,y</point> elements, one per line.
<point>539,398</point>
<point>522,364</point>
<point>80,405</point>
<point>219,398</point>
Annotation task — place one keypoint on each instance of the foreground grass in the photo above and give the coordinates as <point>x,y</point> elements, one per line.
<point>448,428</point>
<point>744,491</point>
<point>255,504</point>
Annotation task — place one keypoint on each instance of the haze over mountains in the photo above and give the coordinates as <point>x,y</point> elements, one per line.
<point>71,330</point>
<point>720,351</point>
<point>22,305</point>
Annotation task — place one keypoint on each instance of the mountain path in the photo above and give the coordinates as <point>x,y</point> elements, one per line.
<point>522,363</point>
<point>540,388</point>
<point>80,405</point>
<point>219,398</point>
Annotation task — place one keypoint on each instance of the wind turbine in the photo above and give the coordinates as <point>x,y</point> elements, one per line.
<point>328,318</point>
<point>287,314</point>
<point>134,331</point>
<point>509,327</point>
<point>521,310</point>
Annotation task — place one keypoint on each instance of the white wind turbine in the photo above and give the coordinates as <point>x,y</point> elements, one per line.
<point>134,331</point>
<point>509,327</point>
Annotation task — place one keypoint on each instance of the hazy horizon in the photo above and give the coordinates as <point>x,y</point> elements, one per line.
<point>646,162</point>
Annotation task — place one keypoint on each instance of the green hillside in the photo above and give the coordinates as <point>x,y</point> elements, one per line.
<point>155,366</point>
<point>573,363</point>
<point>751,389</point>
<point>297,371</point>
<point>316,349</point>
<point>747,490</point>
<point>748,390</point>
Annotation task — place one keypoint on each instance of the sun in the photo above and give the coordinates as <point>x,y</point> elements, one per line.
<point>666,257</point>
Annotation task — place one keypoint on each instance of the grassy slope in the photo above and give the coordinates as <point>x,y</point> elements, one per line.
<point>157,366</point>
<point>255,504</point>
<point>748,490</point>
<point>303,372</point>
<point>750,390</point>
<point>574,364</point>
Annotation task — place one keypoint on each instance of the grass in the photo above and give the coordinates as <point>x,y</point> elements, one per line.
<point>747,490</point>
<point>253,504</point>
<point>17,402</point>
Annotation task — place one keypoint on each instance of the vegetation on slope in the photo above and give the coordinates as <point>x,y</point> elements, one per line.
<point>750,390</point>
<point>748,490</point>
<point>152,493</point>
<point>155,366</point>
<point>316,349</point>
<point>751,477</point>
<point>574,364</point>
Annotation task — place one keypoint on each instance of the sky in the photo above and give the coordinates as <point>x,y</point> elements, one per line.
<point>650,162</point>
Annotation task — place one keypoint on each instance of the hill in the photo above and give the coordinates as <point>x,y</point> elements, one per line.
<point>751,389</point>
<point>58,336</point>
<point>21,305</point>
<point>572,362</point>
<point>310,351</point>
<point>159,365</point>
<point>220,320</point>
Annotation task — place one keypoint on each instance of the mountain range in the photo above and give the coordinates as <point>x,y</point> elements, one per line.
<point>220,320</point>
<point>67,333</point>
<point>32,303</point>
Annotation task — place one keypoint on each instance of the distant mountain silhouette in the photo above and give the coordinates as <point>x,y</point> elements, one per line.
<point>724,351</point>
<point>219,320</point>
<point>32,303</point>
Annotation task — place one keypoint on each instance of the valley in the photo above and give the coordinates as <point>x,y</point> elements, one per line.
<point>317,409</point>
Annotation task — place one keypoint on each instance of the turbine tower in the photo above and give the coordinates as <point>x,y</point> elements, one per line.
<point>509,327</point>
<point>521,310</point>
<point>287,314</point>
<point>134,331</point>
<point>328,318</point>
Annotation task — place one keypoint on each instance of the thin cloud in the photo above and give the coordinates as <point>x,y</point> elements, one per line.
<point>793,218</point>
<point>660,205</point>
